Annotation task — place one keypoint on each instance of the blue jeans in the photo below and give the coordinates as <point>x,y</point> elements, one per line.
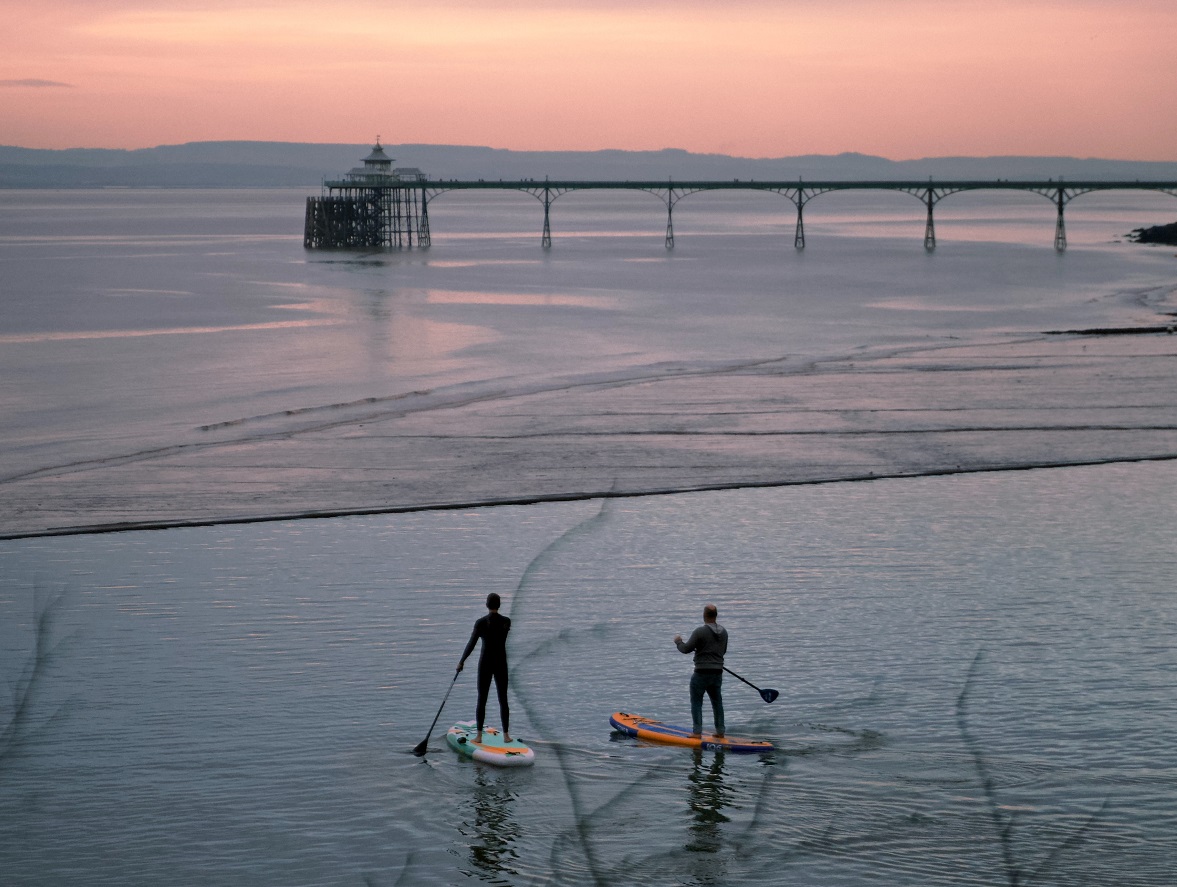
<point>709,682</point>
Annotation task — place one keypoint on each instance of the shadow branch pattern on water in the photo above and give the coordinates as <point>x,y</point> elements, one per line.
<point>1004,823</point>
<point>22,720</point>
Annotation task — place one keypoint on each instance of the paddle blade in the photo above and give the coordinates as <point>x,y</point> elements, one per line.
<point>421,746</point>
<point>768,695</point>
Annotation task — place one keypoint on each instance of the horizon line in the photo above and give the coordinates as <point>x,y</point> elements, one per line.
<point>573,151</point>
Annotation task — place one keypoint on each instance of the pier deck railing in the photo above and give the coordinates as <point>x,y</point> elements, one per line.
<point>397,214</point>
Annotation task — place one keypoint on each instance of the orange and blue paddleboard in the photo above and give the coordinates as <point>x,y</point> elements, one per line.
<point>493,749</point>
<point>668,734</point>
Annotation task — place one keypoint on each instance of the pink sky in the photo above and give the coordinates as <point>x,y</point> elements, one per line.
<point>898,78</point>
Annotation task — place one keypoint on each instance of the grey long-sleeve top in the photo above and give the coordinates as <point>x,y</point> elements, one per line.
<point>708,642</point>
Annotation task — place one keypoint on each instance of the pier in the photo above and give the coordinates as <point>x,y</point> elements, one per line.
<point>377,206</point>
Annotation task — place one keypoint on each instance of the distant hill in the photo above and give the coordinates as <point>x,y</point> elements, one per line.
<point>290,164</point>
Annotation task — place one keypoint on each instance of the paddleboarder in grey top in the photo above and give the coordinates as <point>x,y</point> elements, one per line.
<point>709,643</point>
<point>492,663</point>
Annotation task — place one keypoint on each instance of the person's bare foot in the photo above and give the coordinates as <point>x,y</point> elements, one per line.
<point>478,738</point>
<point>507,737</point>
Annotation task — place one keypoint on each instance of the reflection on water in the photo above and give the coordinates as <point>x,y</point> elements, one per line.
<point>79,335</point>
<point>707,798</point>
<point>466,297</point>
<point>494,833</point>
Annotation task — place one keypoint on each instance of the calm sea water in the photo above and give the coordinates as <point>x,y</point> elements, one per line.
<point>977,673</point>
<point>131,318</point>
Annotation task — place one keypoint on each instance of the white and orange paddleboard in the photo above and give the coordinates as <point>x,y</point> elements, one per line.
<point>493,749</point>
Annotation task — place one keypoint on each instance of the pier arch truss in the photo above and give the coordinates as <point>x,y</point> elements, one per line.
<point>398,216</point>
<point>548,192</point>
<point>1059,193</point>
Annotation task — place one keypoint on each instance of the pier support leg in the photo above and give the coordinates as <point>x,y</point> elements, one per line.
<point>310,225</point>
<point>424,240</point>
<point>399,229</point>
<point>669,225</point>
<point>1060,227</point>
<point>546,239</point>
<point>799,232</point>
<point>930,227</point>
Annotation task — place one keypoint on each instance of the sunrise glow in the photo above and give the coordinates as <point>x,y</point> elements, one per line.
<point>902,79</point>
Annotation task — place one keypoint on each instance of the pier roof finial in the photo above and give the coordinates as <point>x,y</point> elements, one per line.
<point>378,158</point>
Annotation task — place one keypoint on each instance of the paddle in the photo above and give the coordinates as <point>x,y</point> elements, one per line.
<point>419,750</point>
<point>767,695</point>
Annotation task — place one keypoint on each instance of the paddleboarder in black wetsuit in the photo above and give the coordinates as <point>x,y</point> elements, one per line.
<point>492,663</point>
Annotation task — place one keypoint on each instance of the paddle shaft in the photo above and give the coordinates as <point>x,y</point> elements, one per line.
<point>424,743</point>
<point>745,680</point>
<point>766,694</point>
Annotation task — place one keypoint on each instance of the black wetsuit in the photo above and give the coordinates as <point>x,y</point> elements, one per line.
<point>492,628</point>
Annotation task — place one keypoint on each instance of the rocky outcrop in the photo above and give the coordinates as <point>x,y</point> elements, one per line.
<point>1166,234</point>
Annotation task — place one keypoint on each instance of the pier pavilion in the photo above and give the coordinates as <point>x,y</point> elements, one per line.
<point>376,206</point>
<point>373,205</point>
